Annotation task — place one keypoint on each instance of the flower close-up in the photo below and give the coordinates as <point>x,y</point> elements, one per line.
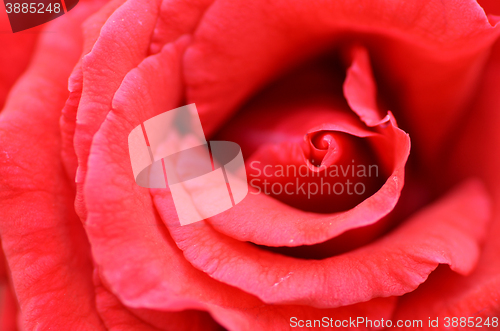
<point>250,165</point>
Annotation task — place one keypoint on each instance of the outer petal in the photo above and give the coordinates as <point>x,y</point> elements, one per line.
<point>8,306</point>
<point>15,53</point>
<point>8,303</point>
<point>177,18</point>
<point>117,317</point>
<point>477,295</point>
<point>91,30</point>
<point>128,36</point>
<point>44,243</point>
<point>122,44</point>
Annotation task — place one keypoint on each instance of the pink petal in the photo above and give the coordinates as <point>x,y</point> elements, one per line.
<point>15,54</point>
<point>447,232</point>
<point>475,153</point>
<point>117,317</point>
<point>270,129</point>
<point>8,302</point>
<point>101,78</point>
<point>43,241</point>
<point>177,18</point>
<point>416,47</point>
<point>360,88</point>
<point>91,28</point>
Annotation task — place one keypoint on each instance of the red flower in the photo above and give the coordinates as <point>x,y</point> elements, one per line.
<point>318,85</point>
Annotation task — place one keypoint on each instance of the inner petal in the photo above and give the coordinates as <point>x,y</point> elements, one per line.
<point>304,146</point>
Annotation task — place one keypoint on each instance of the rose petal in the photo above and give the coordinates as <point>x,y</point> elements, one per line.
<point>447,232</point>
<point>117,317</point>
<point>8,302</point>
<point>360,89</point>
<point>15,53</point>
<point>262,219</point>
<point>477,295</point>
<point>273,223</point>
<point>177,18</point>
<point>91,28</point>
<point>44,243</point>
<point>8,307</point>
<point>416,47</point>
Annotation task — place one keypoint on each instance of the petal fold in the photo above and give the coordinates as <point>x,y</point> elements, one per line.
<point>45,246</point>
<point>447,232</point>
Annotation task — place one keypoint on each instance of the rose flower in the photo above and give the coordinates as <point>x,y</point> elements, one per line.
<point>369,134</point>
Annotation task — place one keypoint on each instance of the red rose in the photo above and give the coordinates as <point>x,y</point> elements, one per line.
<point>337,88</point>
